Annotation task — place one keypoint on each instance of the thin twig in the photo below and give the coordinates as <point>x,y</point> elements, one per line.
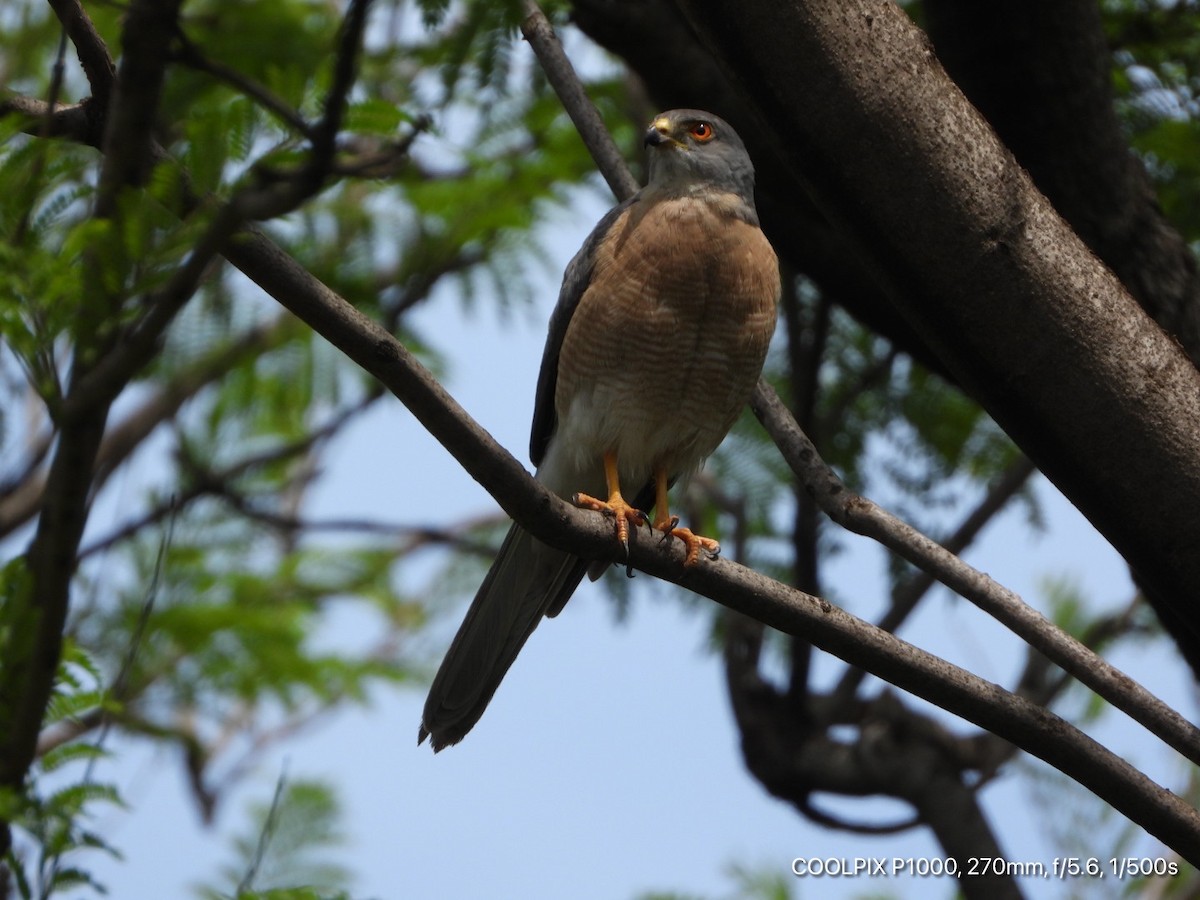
<point>265,835</point>
<point>191,55</point>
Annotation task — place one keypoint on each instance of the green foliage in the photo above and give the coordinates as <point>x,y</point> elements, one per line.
<point>52,818</point>
<point>286,853</point>
<point>1157,81</point>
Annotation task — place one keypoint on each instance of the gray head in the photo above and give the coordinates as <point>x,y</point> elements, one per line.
<point>690,149</point>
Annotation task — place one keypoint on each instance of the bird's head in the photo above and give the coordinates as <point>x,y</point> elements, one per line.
<point>690,149</point>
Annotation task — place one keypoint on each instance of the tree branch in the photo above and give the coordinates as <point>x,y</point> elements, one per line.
<point>910,591</point>
<point>864,517</point>
<point>1070,138</point>
<point>73,122</point>
<point>562,77</point>
<point>93,54</point>
<point>552,520</point>
<point>36,617</point>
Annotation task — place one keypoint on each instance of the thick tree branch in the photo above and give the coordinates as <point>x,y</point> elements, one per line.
<point>1042,74</point>
<point>36,617</point>
<point>130,119</point>
<point>1101,400</point>
<point>73,122</point>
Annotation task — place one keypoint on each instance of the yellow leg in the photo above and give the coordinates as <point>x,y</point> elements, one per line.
<point>669,524</point>
<point>615,504</point>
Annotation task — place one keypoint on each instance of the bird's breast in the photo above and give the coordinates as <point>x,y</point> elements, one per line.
<point>669,337</point>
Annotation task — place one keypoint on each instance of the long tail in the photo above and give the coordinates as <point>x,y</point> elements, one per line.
<point>527,581</point>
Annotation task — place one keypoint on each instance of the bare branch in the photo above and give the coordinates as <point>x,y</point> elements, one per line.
<point>909,592</point>
<point>130,117</point>
<point>579,107</point>
<point>552,520</point>
<point>72,122</point>
<point>862,516</point>
<point>190,55</point>
<point>93,55</point>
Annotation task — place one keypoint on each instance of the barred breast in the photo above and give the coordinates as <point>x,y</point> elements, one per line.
<point>669,338</point>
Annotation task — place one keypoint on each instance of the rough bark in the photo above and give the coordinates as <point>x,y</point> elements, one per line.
<point>980,264</point>
<point>1041,74</point>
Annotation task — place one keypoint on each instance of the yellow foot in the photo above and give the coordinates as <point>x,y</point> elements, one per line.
<point>619,509</point>
<point>694,542</point>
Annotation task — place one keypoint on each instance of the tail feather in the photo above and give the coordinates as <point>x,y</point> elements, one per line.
<point>527,580</point>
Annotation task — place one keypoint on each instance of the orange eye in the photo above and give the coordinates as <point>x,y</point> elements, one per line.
<point>701,131</point>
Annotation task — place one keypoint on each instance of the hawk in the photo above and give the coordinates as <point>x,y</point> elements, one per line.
<point>659,335</point>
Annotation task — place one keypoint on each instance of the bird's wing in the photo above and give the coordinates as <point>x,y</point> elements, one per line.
<point>575,281</point>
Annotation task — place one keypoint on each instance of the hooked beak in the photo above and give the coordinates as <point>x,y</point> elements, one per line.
<point>659,133</point>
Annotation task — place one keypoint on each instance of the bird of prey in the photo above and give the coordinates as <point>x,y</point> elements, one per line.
<point>658,338</point>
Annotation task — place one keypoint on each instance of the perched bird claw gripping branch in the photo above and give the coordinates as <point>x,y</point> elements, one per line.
<point>679,272</point>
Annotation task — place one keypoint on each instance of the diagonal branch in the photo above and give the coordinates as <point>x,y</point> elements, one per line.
<point>190,55</point>
<point>910,591</point>
<point>561,75</point>
<point>560,525</point>
<point>93,54</point>
<point>862,516</point>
